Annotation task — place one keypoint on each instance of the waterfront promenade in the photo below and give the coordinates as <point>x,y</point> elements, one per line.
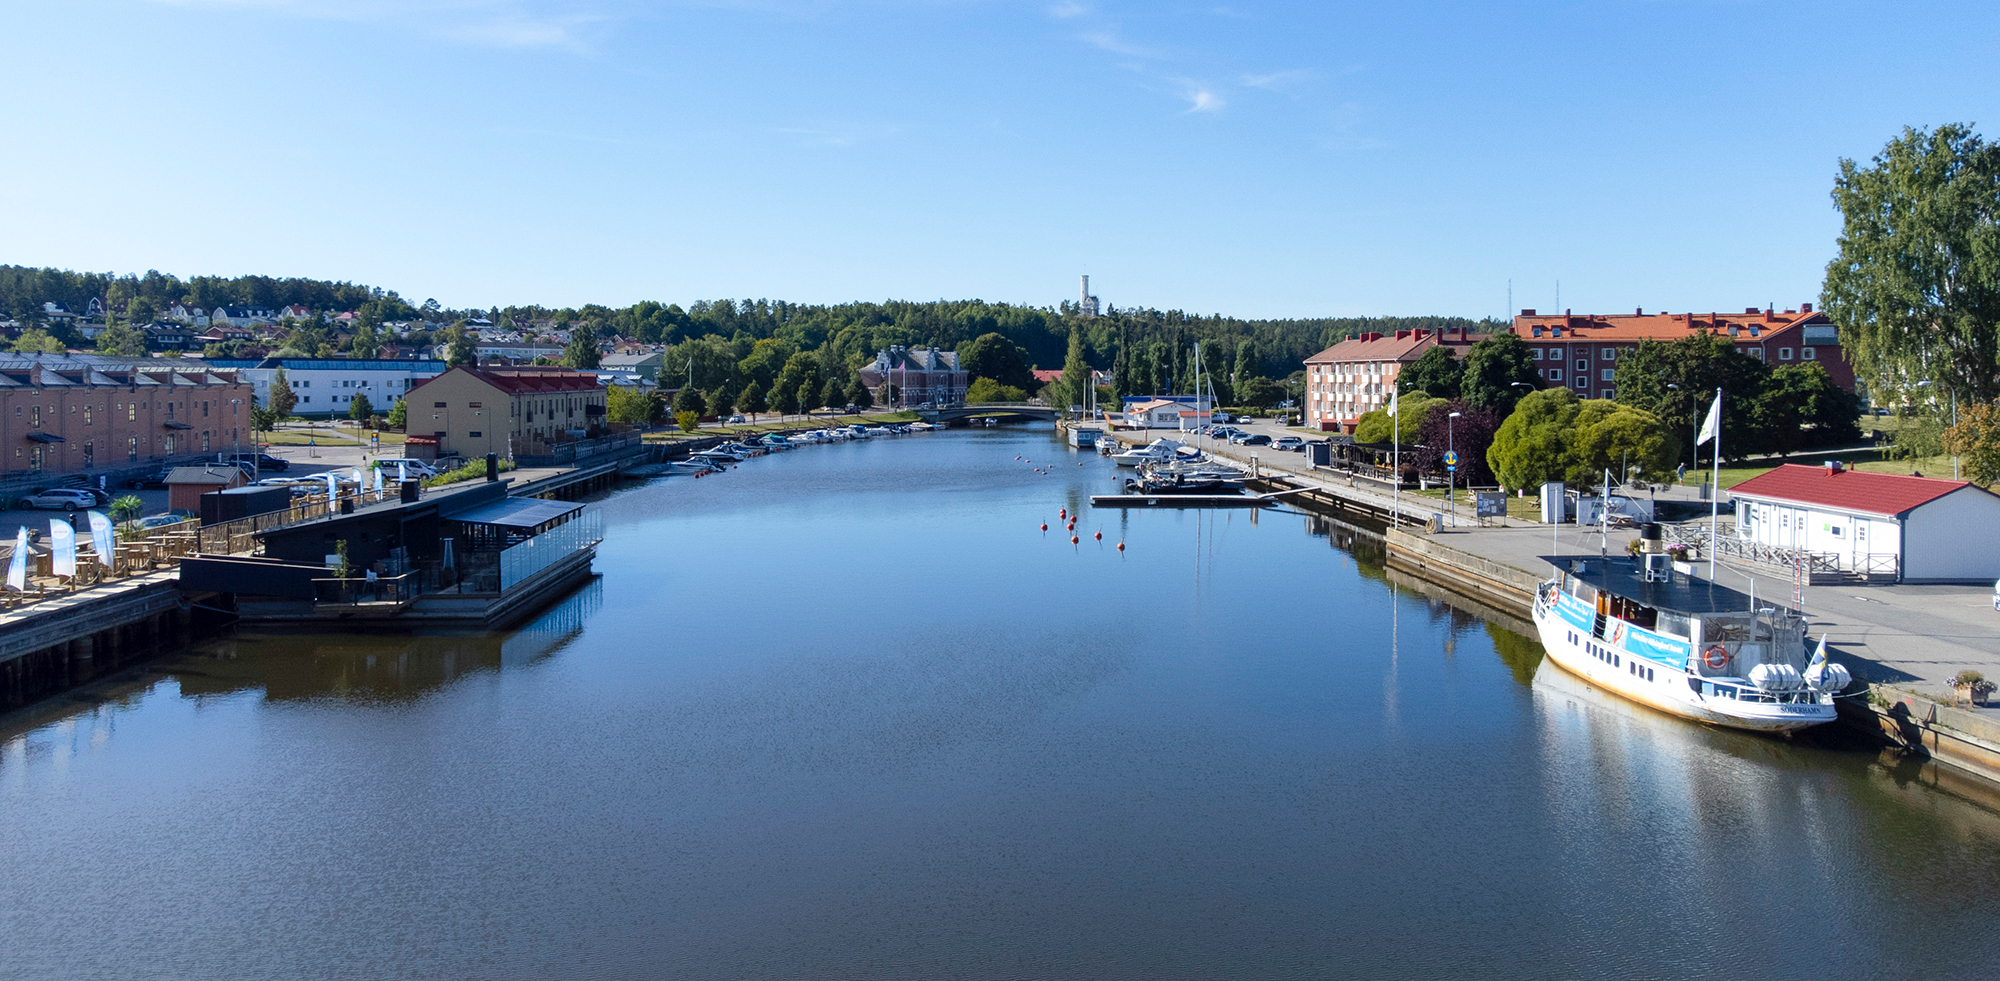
<point>1909,637</point>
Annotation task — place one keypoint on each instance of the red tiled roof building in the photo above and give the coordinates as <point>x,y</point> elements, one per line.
<point>1580,352</point>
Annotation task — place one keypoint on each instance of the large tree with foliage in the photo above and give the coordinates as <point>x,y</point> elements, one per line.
<point>626,405</point>
<point>1607,436</point>
<point>752,400</point>
<point>1412,412</point>
<point>1802,408</point>
<point>1915,287</point>
<point>459,351</point>
<point>35,341</point>
<point>1076,380</point>
<point>1676,381</point>
<point>1499,372</point>
<point>1531,446</point>
<point>986,391</point>
<point>282,400</point>
<point>1437,373</point>
<point>399,413</point>
<point>993,356</point>
<point>1470,435</point>
<point>1976,442</point>
<point>359,408</point>
<point>582,352</point>
<point>122,340</point>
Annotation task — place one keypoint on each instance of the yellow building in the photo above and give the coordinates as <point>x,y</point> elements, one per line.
<point>505,411</point>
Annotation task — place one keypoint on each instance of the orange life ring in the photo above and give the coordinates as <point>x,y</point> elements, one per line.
<point>1715,657</point>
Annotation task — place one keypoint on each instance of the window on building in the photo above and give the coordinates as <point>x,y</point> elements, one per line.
<point>37,423</point>
<point>1784,354</point>
<point>131,412</point>
<point>477,405</point>
<point>440,405</point>
<point>1607,354</point>
<point>1535,331</point>
<point>1582,381</point>
<point>1583,364</point>
<point>1808,354</point>
<point>1756,352</point>
<point>475,434</point>
<point>1608,374</point>
<point>131,447</point>
<point>1538,354</point>
<point>1555,374</point>
<point>1610,393</point>
<point>86,415</point>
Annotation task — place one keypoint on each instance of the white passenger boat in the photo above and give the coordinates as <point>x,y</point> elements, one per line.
<point>1689,647</point>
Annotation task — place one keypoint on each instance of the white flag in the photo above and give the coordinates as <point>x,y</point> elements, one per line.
<point>378,480</point>
<point>1711,427</point>
<point>62,548</point>
<point>17,570</point>
<point>1392,407</point>
<point>103,538</point>
<point>332,487</point>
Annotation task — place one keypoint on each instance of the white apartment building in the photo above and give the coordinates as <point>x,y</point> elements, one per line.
<point>327,386</point>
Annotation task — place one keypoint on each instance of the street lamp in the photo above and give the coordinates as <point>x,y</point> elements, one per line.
<point>1954,422</point>
<point>1451,468</point>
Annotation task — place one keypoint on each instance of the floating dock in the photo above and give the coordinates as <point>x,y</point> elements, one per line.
<point>1178,501</point>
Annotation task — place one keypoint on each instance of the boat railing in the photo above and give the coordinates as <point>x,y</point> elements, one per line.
<point>546,549</point>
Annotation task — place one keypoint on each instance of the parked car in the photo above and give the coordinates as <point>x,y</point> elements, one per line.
<point>263,461</point>
<point>151,481</point>
<point>1251,439</point>
<point>60,499</point>
<point>1288,443</point>
<point>416,468</point>
<point>158,521</point>
<point>737,420</point>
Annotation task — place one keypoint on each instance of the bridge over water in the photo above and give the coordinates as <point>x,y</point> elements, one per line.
<point>1018,410</point>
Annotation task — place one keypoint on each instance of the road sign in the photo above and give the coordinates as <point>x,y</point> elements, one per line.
<point>1451,459</point>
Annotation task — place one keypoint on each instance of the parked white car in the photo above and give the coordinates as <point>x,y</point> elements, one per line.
<point>415,468</point>
<point>60,499</point>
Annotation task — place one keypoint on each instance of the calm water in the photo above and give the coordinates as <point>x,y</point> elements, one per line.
<point>846,712</point>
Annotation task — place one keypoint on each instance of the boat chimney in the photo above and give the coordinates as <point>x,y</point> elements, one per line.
<point>1833,467</point>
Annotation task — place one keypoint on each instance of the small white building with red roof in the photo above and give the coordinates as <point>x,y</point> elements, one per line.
<point>1920,528</point>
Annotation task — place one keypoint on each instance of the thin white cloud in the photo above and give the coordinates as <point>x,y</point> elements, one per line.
<point>1204,100</point>
<point>1068,11</point>
<point>1279,81</point>
<point>1110,41</point>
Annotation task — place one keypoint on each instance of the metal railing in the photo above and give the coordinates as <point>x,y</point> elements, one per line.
<point>546,549</point>
<point>238,535</point>
<point>536,453</point>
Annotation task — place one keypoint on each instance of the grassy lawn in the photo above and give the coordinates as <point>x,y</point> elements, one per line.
<point>1527,508</point>
<point>325,437</point>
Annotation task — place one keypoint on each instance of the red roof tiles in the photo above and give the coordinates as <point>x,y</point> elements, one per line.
<point>1847,490</point>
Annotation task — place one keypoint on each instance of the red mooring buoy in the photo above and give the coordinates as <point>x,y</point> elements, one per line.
<point>1099,536</point>
<point>1072,539</point>
<point>1062,513</point>
<point>1045,526</point>
<point>1121,546</point>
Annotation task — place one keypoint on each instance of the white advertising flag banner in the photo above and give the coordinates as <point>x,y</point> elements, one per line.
<point>62,547</point>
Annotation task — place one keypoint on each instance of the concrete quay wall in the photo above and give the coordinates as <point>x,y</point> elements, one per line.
<point>58,644</point>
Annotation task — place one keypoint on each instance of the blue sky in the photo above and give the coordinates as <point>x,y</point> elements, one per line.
<point>1255,159</point>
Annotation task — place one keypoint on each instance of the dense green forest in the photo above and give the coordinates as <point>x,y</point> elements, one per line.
<point>1148,350</point>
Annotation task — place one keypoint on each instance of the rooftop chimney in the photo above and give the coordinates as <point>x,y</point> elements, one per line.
<point>1805,308</point>
<point>1638,311</point>
<point>1402,334</point>
<point>1529,312</point>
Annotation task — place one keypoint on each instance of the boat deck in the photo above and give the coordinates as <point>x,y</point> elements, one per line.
<point>1620,576</point>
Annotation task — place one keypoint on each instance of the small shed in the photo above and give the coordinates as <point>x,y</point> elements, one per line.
<point>186,485</point>
<point>1920,528</point>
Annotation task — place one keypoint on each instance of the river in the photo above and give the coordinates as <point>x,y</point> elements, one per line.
<point>848,712</point>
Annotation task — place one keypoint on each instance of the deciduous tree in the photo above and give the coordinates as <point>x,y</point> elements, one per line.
<point>1530,447</point>
<point>282,400</point>
<point>1915,288</point>
<point>752,400</point>
<point>1437,373</point>
<point>994,356</point>
<point>1976,442</point>
<point>1499,372</point>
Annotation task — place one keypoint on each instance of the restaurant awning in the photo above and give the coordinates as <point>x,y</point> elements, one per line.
<point>523,512</point>
<point>46,438</point>
<point>178,425</point>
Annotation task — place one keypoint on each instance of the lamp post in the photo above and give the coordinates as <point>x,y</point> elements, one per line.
<point>1954,422</point>
<point>1451,469</point>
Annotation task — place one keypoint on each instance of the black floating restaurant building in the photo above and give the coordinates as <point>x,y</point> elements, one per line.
<point>467,556</point>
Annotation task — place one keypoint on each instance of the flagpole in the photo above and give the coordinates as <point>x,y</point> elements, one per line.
<point>1715,490</point>
<point>1395,462</point>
